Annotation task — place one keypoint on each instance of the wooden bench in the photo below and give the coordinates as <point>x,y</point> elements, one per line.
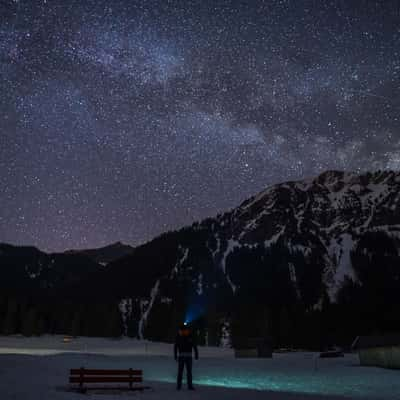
<point>82,376</point>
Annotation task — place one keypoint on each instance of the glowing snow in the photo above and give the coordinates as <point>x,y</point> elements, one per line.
<point>299,373</point>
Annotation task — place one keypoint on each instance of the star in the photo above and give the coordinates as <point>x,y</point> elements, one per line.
<point>119,122</point>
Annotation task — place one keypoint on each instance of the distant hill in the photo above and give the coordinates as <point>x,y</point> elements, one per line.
<point>53,293</point>
<point>106,254</point>
<point>26,269</point>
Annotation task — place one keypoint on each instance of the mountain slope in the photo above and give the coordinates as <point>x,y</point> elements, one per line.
<point>26,268</point>
<point>53,293</point>
<point>290,250</point>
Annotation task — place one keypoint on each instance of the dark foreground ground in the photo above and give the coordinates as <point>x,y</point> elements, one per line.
<point>37,369</point>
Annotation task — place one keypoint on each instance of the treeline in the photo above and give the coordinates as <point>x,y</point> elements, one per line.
<point>278,292</point>
<point>32,316</point>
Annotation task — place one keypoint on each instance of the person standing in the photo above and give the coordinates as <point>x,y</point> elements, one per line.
<point>184,346</point>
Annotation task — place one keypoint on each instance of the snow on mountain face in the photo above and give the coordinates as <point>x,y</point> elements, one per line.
<point>329,212</point>
<point>146,307</point>
<point>299,234</point>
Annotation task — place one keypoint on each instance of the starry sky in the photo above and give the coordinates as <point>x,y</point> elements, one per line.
<point>120,120</point>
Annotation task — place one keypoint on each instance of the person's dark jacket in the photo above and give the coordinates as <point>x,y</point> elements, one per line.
<point>184,345</point>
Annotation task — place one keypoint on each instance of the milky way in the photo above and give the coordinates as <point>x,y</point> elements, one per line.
<point>120,120</point>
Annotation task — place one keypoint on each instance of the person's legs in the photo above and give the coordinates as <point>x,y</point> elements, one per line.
<point>181,363</point>
<point>189,372</point>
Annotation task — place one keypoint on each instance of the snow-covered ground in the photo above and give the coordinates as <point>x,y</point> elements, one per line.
<point>37,368</point>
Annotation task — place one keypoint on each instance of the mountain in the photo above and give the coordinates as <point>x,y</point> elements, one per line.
<point>53,293</point>
<point>308,263</point>
<point>27,269</point>
<point>319,257</point>
<point>106,254</point>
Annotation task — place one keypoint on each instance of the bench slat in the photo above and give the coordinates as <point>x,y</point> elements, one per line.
<point>104,379</point>
<point>133,388</point>
<point>106,372</point>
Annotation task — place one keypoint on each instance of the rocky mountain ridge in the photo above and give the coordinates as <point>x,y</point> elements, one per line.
<point>307,237</point>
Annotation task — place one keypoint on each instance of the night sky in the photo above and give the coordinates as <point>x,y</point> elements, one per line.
<point>120,120</point>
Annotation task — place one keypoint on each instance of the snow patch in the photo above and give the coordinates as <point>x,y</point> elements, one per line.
<point>293,278</point>
<point>166,300</point>
<point>226,341</point>
<point>199,288</point>
<point>339,252</point>
<point>256,199</point>
<point>305,250</point>
<point>274,238</point>
<point>231,284</point>
<point>125,308</point>
<point>180,261</point>
<point>318,306</point>
<point>232,244</point>
<point>31,274</point>
<point>148,306</point>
